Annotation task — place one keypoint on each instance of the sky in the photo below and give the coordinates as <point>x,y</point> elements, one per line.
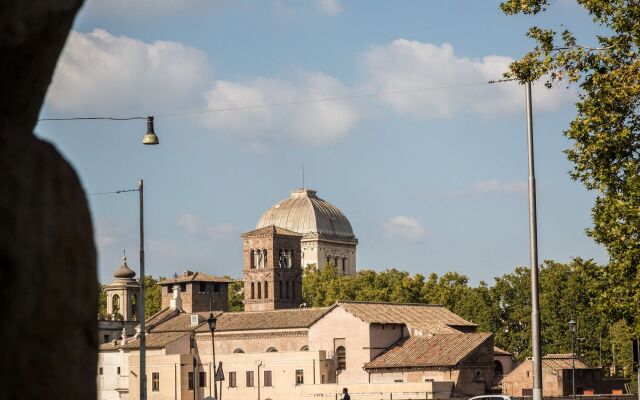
<point>433,179</point>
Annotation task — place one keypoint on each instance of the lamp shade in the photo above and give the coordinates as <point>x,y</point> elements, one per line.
<point>573,326</point>
<point>212,322</point>
<point>150,137</point>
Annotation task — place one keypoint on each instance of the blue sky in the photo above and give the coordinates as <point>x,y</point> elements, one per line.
<point>431,181</point>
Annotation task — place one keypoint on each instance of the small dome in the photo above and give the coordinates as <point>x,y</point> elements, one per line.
<point>124,272</point>
<point>304,212</point>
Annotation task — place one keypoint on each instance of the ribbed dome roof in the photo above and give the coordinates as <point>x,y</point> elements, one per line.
<point>124,272</point>
<point>304,212</point>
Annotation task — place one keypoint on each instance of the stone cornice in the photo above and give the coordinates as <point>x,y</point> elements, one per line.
<point>201,336</point>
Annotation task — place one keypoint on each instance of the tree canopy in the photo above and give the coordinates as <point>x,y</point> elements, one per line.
<point>605,132</point>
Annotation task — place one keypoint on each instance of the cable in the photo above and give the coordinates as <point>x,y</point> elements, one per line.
<point>290,103</point>
<point>115,192</point>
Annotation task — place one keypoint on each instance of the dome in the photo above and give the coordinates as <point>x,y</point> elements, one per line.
<point>124,272</point>
<point>304,212</point>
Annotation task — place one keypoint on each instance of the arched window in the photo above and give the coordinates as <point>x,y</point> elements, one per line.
<point>497,369</point>
<point>266,290</point>
<point>335,262</point>
<point>286,293</point>
<point>328,260</point>
<point>272,350</point>
<point>115,303</point>
<point>280,259</point>
<point>280,294</point>
<point>344,265</point>
<point>238,351</point>
<point>253,291</point>
<point>252,259</point>
<point>134,307</point>
<point>264,257</point>
<point>341,356</point>
<point>304,348</point>
<point>259,290</point>
<point>289,258</point>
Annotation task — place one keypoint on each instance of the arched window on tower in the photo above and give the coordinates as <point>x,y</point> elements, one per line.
<point>335,262</point>
<point>252,259</point>
<point>289,258</point>
<point>328,260</point>
<point>344,265</point>
<point>115,304</point>
<point>253,293</point>
<point>266,290</point>
<point>264,257</point>
<point>134,307</point>
<point>293,290</point>
<point>286,294</point>
<point>280,259</point>
<point>259,290</point>
<point>341,357</point>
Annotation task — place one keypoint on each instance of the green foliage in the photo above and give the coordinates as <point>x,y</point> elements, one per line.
<point>605,132</point>
<point>102,302</point>
<point>153,295</point>
<point>236,294</point>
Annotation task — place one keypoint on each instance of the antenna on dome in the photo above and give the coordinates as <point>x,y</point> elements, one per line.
<point>303,175</point>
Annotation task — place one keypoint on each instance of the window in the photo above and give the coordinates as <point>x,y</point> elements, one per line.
<point>272,350</point>
<point>253,291</point>
<point>341,355</point>
<point>203,287</point>
<point>252,260</point>
<point>280,295</point>
<point>106,338</point>
<point>428,380</point>
<point>202,379</point>
<point>190,380</point>
<point>259,290</point>
<point>267,378</point>
<point>398,380</point>
<point>266,290</point>
<point>344,265</point>
<point>232,377</point>
<point>286,294</point>
<point>216,287</point>
<point>100,371</point>
<point>155,381</point>
<point>183,287</point>
<point>249,379</point>
<point>134,307</point>
<point>322,379</point>
<point>118,370</point>
<point>238,350</point>
<point>264,257</point>
<point>115,303</point>
<point>299,377</point>
<point>304,348</point>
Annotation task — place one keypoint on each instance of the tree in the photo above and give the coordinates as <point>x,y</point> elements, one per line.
<point>605,131</point>
<point>152,295</point>
<point>102,302</point>
<point>236,294</point>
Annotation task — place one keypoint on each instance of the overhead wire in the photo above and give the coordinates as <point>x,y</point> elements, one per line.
<point>289,103</point>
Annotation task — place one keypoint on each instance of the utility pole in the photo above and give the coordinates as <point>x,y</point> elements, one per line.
<point>143,341</point>
<point>533,249</point>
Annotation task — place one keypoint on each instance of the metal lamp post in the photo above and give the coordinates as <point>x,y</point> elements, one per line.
<point>573,328</point>
<point>212,327</point>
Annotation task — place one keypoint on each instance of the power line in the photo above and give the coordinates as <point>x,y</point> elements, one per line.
<point>290,103</point>
<point>114,192</point>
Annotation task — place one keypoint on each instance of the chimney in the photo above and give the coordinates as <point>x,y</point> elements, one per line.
<point>124,336</point>
<point>176,301</point>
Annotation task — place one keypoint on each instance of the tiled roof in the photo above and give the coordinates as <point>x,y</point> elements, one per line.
<point>194,277</point>
<point>499,351</point>
<point>255,320</point>
<point>271,229</point>
<point>155,340</point>
<point>442,350</point>
<point>159,317</point>
<point>182,322</point>
<point>563,361</point>
<point>429,319</point>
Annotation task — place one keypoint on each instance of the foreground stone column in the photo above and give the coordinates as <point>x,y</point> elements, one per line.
<point>48,285</point>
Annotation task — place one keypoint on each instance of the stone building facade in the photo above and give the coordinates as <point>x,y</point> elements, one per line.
<point>327,234</point>
<point>198,291</point>
<point>272,269</point>
<point>122,304</point>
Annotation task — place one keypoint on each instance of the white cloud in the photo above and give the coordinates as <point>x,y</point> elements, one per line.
<point>404,227</point>
<point>99,73</point>
<point>330,7</point>
<point>499,186</point>
<point>195,227</point>
<point>313,124</point>
<point>410,65</point>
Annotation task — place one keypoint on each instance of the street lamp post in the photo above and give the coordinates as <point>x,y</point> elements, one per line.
<point>573,327</point>
<point>212,327</point>
<point>143,341</point>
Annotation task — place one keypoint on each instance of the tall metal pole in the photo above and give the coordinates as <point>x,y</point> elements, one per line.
<point>573,365</point>
<point>215,385</point>
<point>533,249</point>
<point>143,341</point>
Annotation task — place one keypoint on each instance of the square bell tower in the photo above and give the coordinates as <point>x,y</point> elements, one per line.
<point>272,269</point>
